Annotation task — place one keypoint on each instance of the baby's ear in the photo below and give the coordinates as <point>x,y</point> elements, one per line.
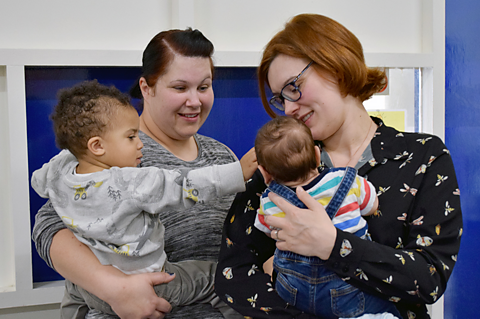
<point>318,155</point>
<point>95,146</point>
<point>266,175</point>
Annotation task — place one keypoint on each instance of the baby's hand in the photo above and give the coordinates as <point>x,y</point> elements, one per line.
<point>249,164</point>
<point>268,266</point>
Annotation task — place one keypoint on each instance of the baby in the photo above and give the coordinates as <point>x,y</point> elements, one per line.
<point>288,158</point>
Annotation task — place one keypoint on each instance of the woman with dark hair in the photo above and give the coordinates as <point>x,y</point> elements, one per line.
<point>176,87</point>
<point>316,71</point>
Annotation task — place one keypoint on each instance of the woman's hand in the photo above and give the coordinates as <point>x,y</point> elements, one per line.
<point>133,296</point>
<point>249,164</point>
<point>307,232</point>
<point>130,296</point>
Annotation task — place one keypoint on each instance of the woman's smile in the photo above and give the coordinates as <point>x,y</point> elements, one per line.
<point>306,117</point>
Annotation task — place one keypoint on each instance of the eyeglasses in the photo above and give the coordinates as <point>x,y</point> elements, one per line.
<point>290,92</point>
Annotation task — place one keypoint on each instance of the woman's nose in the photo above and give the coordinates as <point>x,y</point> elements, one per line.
<point>290,108</point>
<point>140,145</point>
<point>193,99</point>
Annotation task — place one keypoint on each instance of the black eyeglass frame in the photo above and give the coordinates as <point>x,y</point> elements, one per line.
<point>278,101</point>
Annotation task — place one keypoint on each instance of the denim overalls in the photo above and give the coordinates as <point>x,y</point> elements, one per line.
<point>305,283</point>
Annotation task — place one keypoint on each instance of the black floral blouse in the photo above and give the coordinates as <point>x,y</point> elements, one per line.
<point>416,233</point>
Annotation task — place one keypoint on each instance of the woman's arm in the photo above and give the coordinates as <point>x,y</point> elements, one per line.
<point>47,224</point>
<point>412,268</point>
<point>415,266</point>
<point>76,262</point>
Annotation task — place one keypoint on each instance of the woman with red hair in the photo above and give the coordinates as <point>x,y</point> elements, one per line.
<point>316,71</point>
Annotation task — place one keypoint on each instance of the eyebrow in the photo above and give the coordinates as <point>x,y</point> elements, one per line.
<point>284,84</point>
<point>289,80</point>
<point>184,81</point>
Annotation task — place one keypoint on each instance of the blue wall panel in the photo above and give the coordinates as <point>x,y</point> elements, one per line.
<point>462,129</point>
<point>236,116</point>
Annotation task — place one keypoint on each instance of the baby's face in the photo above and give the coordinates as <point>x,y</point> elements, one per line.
<point>121,142</point>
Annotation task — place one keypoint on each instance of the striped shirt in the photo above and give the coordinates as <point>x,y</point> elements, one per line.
<point>358,202</point>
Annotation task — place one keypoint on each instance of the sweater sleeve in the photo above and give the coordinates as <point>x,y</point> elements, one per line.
<point>159,189</point>
<point>416,270</point>
<point>240,281</point>
<point>47,224</point>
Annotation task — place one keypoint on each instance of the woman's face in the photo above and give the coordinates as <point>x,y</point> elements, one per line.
<point>322,107</point>
<point>182,98</point>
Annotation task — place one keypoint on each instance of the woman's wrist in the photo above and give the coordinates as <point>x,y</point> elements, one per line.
<point>77,263</point>
<point>107,282</point>
<point>346,253</point>
<point>330,241</point>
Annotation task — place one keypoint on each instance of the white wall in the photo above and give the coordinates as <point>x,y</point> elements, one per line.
<point>232,25</point>
<point>395,33</point>
<point>251,23</point>
<point>7,272</point>
<point>86,24</point>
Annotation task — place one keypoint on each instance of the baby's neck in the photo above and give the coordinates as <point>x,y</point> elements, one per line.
<point>313,174</point>
<point>87,166</point>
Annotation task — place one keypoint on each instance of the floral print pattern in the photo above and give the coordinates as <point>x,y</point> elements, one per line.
<point>415,233</point>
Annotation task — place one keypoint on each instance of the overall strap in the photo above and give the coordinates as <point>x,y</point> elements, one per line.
<point>342,191</point>
<point>287,193</point>
<point>337,199</point>
<point>334,204</point>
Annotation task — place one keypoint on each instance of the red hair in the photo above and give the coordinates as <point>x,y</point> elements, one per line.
<point>336,52</point>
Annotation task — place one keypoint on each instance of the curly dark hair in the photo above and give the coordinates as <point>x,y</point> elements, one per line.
<point>84,111</point>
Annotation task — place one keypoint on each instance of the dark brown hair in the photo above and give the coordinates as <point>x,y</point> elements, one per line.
<point>84,111</point>
<point>161,50</point>
<point>335,51</point>
<point>285,148</point>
